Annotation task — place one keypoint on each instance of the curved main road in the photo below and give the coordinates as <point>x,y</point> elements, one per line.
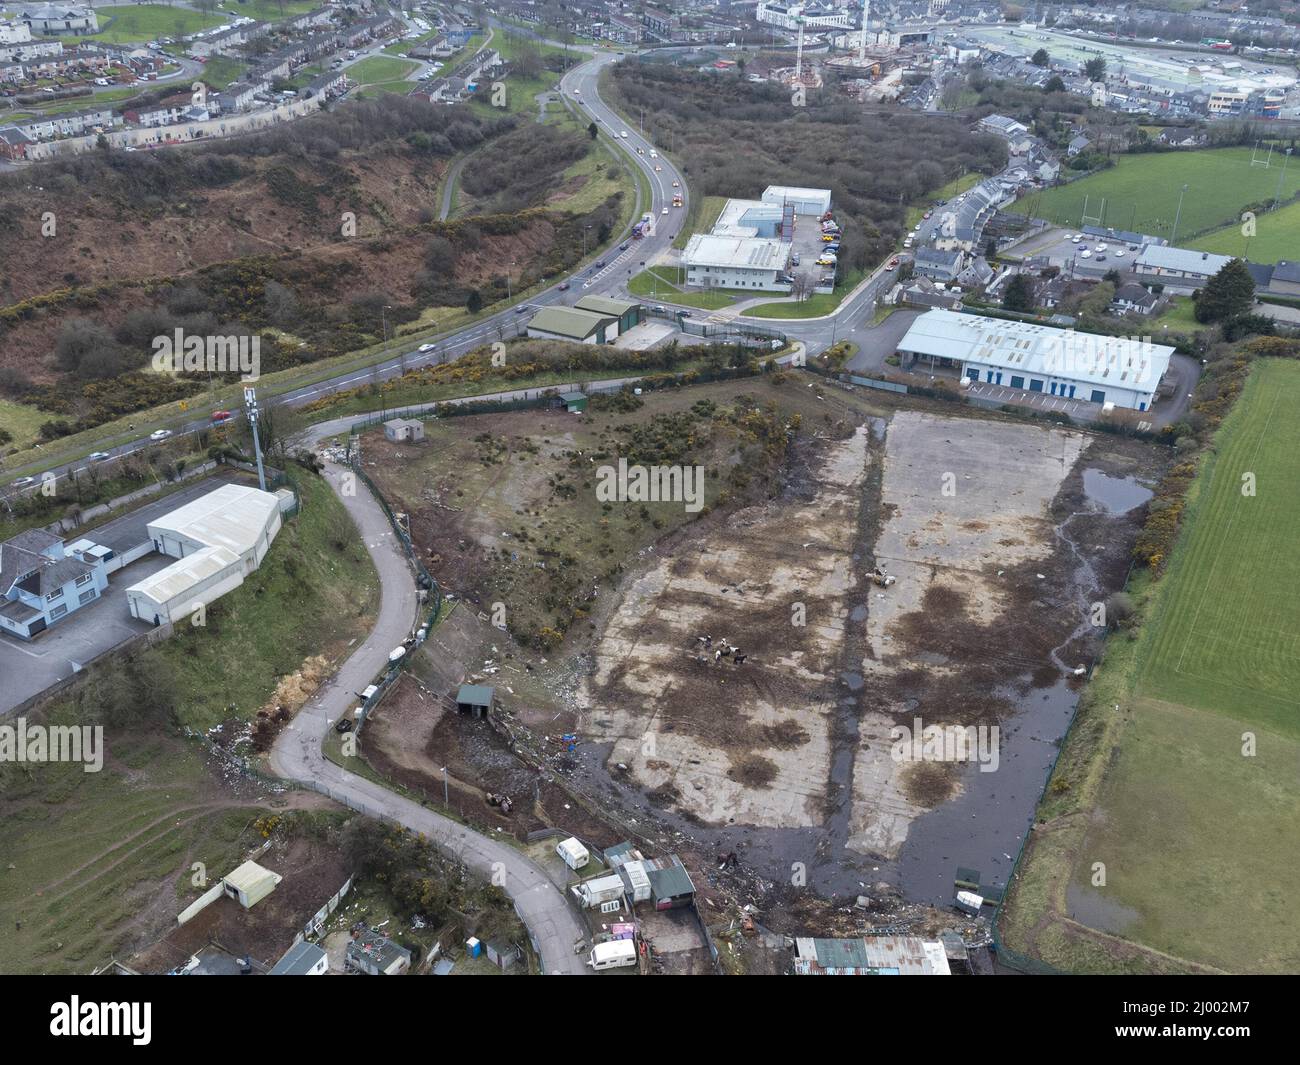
<point>297,752</point>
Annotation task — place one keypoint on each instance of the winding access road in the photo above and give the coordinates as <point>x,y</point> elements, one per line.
<point>297,753</point>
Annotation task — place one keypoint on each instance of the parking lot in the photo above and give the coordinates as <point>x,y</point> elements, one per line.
<point>28,668</point>
<point>1055,244</point>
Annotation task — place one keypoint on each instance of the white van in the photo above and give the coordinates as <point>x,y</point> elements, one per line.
<point>615,954</point>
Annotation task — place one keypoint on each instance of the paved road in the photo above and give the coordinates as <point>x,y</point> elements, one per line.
<point>297,753</point>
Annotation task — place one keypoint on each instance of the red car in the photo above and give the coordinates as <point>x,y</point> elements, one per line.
<point>893,262</point>
<point>219,416</point>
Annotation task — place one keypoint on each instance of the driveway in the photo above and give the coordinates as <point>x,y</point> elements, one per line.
<point>297,753</point>
<point>877,342</point>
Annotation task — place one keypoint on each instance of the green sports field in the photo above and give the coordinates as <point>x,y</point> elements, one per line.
<point>1181,778</point>
<point>1141,192</point>
<point>1227,638</point>
<point>1277,236</point>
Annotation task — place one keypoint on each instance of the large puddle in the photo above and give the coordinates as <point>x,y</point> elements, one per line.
<point>1115,495</point>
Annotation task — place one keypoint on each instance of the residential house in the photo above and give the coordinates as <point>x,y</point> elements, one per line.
<point>1077,145</point>
<point>41,582</point>
<point>1181,137</point>
<point>1133,298</point>
<point>922,292</point>
<point>329,85</point>
<point>938,265</point>
<point>976,275</point>
<point>1015,133</point>
<point>227,41</point>
<point>1285,280</point>
<point>13,142</point>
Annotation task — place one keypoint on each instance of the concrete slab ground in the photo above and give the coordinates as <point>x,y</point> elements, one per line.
<point>748,744</point>
<point>645,336</point>
<point>966,500</point>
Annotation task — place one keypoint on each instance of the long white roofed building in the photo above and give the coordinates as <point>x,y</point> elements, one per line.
<point>217,540</point>
<point>1125,371</point>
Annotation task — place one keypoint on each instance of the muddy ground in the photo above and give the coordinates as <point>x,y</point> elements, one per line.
<point>1000,536</point>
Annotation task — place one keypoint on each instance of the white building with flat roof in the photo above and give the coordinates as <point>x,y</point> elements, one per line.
<point>806,201</point>
<point>736,262</point>
<point>217,540</point>
<point>1125,371</point>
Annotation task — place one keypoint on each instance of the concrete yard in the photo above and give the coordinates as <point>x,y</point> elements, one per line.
<point>967,501</point>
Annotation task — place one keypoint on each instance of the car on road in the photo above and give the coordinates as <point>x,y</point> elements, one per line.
<point>677,184</point>
<point>564,286</point>
<point>160,434</point>
<point>658,169</point>
<point>599,264</point>
<point>98,456</point>
<point>654,154</point>
<point>623,134</point>
<point>219,416</point>
<point>664,211</point>
<point>22,482</point>
<point>893,262</point>
<point>343,725</point>
<point>425,347</point>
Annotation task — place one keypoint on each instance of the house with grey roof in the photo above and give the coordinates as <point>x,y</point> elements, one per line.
<point>1178,268</point>
<point>938,265</point>
<point>1285,279</point>
<point>42,582</point>
<point>1133,298</point>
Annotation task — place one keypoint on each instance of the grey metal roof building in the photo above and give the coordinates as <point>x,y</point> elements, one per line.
<point>1124,371</point>
<point>1179,263</point>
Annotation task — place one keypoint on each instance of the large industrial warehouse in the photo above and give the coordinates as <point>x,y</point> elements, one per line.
<point>217,540</point>
<point>1037,358</point>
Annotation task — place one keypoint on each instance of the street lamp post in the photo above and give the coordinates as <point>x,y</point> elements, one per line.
<point>1173,237</point>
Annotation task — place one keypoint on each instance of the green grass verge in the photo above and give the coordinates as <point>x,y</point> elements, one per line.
<point>378,69</point>
<point>657,282</point>
<point>143,22</point>
<point>815,306</point>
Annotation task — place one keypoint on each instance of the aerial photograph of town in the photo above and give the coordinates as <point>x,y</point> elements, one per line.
<point>646,487</point>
